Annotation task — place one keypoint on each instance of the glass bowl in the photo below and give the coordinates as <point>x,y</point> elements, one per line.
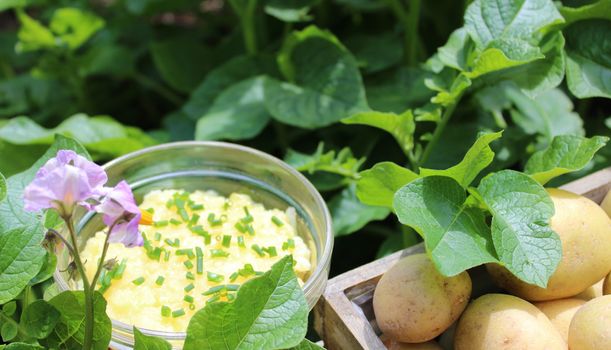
<point>225,168</point>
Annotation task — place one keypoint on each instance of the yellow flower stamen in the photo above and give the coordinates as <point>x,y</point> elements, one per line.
<point>146,218</point>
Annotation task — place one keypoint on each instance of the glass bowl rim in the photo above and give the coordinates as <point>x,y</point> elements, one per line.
<point>328,244</point>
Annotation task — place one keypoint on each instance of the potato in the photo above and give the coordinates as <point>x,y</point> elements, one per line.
<point>606,204</point>
<point>607,285</point>
<point>585,232</point>
<point>590,328</point>
<point>593,291</point>
<point>414,303</point>
<point>395,345</point>
<point>560,312</point>
<point>505,322</point>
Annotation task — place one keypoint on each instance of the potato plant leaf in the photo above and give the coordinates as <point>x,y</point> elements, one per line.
<point>400,126</point>
<point>307,345</point>
<point>39,319</point>
<point>349,214</point>
<point>289,10</point>
<point>269,312</point>
<point>521,213</point>
<point>324,83</point>
<point>21,346</point>
<point>2,187</point>
<point>22,232</point>
<point>69,331</point>
<point>182,62</point>
<point>377,186</point>
<point>147,342</point>
<point>565,154</point>
<point>478,157</point>
<point>455,235</point>
<point>341,163</point>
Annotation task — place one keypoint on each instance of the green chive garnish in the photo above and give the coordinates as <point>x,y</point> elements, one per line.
<point>194,219</point>
<point>240,227</point>
<point>271,251</point>
<point>188,264</point>
<point>150,210</point>
<point>187,251</point>
<point>214,290</point>
<point>160,223</point>
<point>175,222</point>
<point>289,244</point>
<point>172,243</point>
<point>166,255</point>
<point>138,281</point>
<point>213,221</point>
<point>190,275</point>
<point>241,243</point>
<point>226,241</point>
<point>277,221</point>
<point>178,313</point>
<point>233,277</point>
<point>200,260</point>
<point>191,306</point>
<point>197,207</point>
<point>257,249</point>
<point>218,253</point>
<point>189,287</point>
<point>166,311</point>
<point>213,277</point>
<point>159,281</point>
<point>188,299</point>
<point>120,270</point>
<point>157,236</point>
<point>213,299</point>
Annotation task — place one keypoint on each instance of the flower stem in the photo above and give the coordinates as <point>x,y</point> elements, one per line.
<point>411,34</point>
<point>248,27</point>
<point>103,256</point>
<point>88,291</point>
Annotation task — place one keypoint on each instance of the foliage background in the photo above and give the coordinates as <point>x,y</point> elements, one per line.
<point>122,75</point>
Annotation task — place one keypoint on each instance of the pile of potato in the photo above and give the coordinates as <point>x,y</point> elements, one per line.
<point>415,306</point>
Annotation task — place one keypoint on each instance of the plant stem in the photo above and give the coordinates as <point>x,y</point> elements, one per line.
<point>103,256</point>
<point>89,317</point>
<point>66,243</point>
<point>447,114</point>
<point>248,27</point>
<point>158,88</point>
<point>411,33</point>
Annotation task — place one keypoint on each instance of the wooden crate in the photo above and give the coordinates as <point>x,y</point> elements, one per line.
<point>344,316</point>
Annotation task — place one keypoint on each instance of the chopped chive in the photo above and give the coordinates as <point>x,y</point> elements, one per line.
<point>248,218</point>
<point>241,242</point>
<point>103,289</point>
<point>166,255</point>
<point>271,251</point>
<point>232,287</point>
<point>247,270</point>
<point>200,260</point>
<point>233,277</point>
<point>183,214</point>
<point>214,290</point>
<point>107,279</point>
<point>289,244</point>
<point>213,221</point>
<point>138,281</point>
<point>240,227</point>
<point>226,241</point>
<point>190,275</point>
<point>194,219</point>
<point>166,311</point>
<point>172,243</point>
<point>226,205</point>
<point>188,299</point>
<point>175,222</point>
<point>251,231</point>
<point>169,203</point>
<point>120,269</point>
<point>191,306</point>
<point>189,287</point>
<point>196,206</point>
<point>160,223</point>
<point>277,221</point>
<point>158,236</point>
<point>213,277</point>
<point>230,297</point>
<point>150,210</point>
<point>213,299</point>
<point>159,281</point>
<point>257,249</point>
<point>188,264</point>
<point>218,253</point>
<point>186,251</point>
<point>178,313</point>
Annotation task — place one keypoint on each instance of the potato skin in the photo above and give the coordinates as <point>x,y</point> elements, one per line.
<point>395,345</point>
<point>414,303</point>
<point>606,203</point>
<point>560,312</point>
<point>607,285</point>
<point>585,232</point>
<point>505,322</point>
<point>590,328</point>
<point>593,291</point>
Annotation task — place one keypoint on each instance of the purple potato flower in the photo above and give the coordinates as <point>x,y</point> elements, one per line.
<point>119,208</point>
<point>63,182</point>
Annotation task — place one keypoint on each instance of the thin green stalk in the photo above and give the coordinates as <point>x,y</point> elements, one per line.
<point>89,317</point>
<point>447,114</point>
<point>248,27</point>
<point>411,33</point>
<point>103,256</point>
<point>158,88</point>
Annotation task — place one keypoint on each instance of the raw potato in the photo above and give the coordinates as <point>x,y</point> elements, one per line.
<point>591,326</point>
<point>414,303</point>
<point>585,232</point>
<point>505,322</point>
<point>607,285</point>
<point>429,345</point>
<point>593,291</point>
<point>560,313</point>
<point>606,204</point>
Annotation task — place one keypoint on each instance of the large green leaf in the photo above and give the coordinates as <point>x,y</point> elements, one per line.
<point>456,53</point>
<point>69,331</point>
<point>102,135</point>
<point>377,186</point>
<point>341,163</point>
<point>588,69</point>
<point>400,126</point>
<point>289,10</point>
<point>237,113</point>
<point>598,9</point>
<point>398,90</point>
<point>478,157</point>
<point>269,312</point>
<point>376,52</point>
<point>350,215</point>
<point>521,213</point>
<point>324,84</point>
<point>22,346</point>
<point>22,232</point>
<point>32,34</point>
<point>307,345</point>
<point>2,187</point>
<point>146,342</point>
<point>39,319</point>
<point>73,27</point>
<point>565,154</point>
<point>455,235</point>
<point>182,62</point>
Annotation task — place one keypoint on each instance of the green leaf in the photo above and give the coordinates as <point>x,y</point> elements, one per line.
<point>145,342</point>
<point>2,187</point>
<point>8,4</point>
<point>588,66</point>
<point>398,90</point>
<point>363,5</point>
<point>9,308</point>
<point>565,154</point>
<point>107,59</point>
<point>599,9</point>
<point>39,319</point>
<point>49,263</point>
<point>455,235</point>
<point>32,35</point>
<point>269,312</point>
<point>307,345</point>
<point>73,27</point>
<point>289,10</point>
<point>238,113</point>
<point>350,215</point>
<point>8,331</point>
<point>456,53</point>
<point>495,58</point>
<point>400,126</point>
<point>181,61</point>
<point>377,186</point>
<point>324,81</point>
<point>102,135</point>
<point>343,163</point>
<point>478,157</point>
<point>376,52</point>
<point>69,331</point>
<point>521,213</point>
<point>22,346</point>
<point>21,232</point>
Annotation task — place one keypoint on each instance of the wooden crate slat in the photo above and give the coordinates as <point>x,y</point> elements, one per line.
<point>344,315</point>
